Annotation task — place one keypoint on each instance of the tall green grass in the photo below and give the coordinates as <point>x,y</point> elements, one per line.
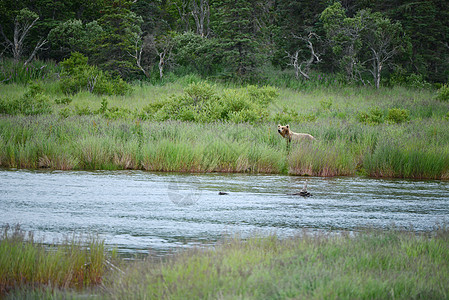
<point>91,132</point>
<point>412,150</point>
<point>15,72</point>
<point>24,263</point>
<point>369,265</point>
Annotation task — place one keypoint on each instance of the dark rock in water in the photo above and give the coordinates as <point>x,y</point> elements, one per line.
<point>222,193</point>
<point>303,192</point>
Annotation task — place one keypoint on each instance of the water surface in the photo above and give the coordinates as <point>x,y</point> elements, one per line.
<point>140,211</point>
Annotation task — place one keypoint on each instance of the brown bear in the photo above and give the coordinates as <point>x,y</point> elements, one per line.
<point>290,135</point>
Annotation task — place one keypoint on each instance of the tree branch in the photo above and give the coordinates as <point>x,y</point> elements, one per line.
<point>38,47</point>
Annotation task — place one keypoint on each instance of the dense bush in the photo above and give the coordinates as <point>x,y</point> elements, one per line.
<point>77,75</point>
<point>33,102</point>
<point>443,93</point>
<point>374,116</point>
<point>201,102</point>
<point>398,115</point>
<point>401,78</point>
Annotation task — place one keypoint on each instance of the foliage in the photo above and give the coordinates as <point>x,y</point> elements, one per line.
<point>364,43</point>
<point>374,116</point>
<point>198,54</point>
<point>383,39</point>
<point>398,115</point>
<point>33,102</point>
<point>74,36</point>
<point>65,100</point>
<point>443,93</point>
<point>426,23</point>
<point>77,76</point>
<point>237,38</point>
<point>238,43</point>
<point>200,102</point>
<point>414,81</point>
<point>121,31</point>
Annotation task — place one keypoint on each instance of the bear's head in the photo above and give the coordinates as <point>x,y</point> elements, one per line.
<point>284,130</point>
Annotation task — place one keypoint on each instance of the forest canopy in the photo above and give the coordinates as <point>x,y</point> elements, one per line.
<point>364,42</point>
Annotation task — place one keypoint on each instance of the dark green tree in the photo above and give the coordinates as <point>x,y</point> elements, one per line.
<point>234,28</point>
<point>382,39</point>
<point>74,36</point>
<point>427,24</point>
<point>295,19</point>
<point>121,31</point>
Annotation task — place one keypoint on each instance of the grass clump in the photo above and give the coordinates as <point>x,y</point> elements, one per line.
<point>26,264</point>
<point>371,265</point>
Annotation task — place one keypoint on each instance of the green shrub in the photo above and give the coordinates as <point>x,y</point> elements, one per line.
<point>33,102</point>
<point>401,78</point>
<point>77,75</point>
<point>65,112</point>
<point>443,93</point>
<point>83,110</point>
<point>326,104</point>
<point>65,100</point>
<point>374,116</point>
<point>398,115</point>
<point>201,102</point>
<point>288,115</point>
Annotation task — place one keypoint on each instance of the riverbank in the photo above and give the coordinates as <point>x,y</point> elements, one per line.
<point>418,149</point>
<point>367,264</point>
<point>387,133</point>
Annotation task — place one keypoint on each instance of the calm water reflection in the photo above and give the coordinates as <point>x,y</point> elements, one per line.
<point>138,211</point>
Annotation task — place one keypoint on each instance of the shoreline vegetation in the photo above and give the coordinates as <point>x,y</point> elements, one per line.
<point>192,125</point>
<point>367,264</point>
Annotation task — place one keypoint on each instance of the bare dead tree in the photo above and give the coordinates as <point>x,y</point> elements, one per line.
<point>23,22</point>
<point>201,14</point>
<point>91,81</point>
<point>384,40</point>
<point>138,56</point>
<point>303,66</point>
<point>164,55</point>
<point>38,47</point>
<point>162,46</point>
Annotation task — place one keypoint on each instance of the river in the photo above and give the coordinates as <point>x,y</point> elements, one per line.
<point>141,212</point>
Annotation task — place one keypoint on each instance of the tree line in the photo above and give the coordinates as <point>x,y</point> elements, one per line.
<point>361,41</point>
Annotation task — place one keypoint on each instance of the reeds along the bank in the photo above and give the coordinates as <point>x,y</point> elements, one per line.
<point>366,265</point>
<point>76,263</point>
<point>412,150</point>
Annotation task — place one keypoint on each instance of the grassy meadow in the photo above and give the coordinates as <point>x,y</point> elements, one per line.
<point>391,264</point>
<point>391,132</point>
